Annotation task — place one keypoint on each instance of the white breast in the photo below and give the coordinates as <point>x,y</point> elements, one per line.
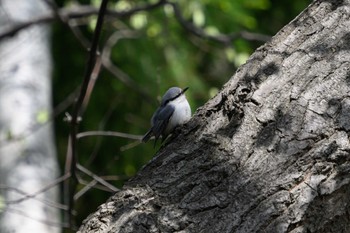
<point>181,115</point>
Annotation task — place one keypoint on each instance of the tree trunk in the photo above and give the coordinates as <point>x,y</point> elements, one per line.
<point>269,153</point>
<point>27,153</point>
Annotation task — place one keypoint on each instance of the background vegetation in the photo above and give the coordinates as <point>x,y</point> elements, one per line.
<point>161,54</point>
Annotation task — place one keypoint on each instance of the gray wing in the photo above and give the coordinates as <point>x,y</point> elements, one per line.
<point>160,120</point>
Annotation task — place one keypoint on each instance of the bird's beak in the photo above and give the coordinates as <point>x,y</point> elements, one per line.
<point>185,89</point>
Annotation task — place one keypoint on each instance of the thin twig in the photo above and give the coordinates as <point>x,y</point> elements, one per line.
<point>97,178</point>
<point>130,145</point>
<point>108,133</point>
<point>12,30</point>
<point>42,200</point>
<point>222,38</point>
<point>44,221</point>
<point>85,189</point>
<point>85,11</point>
<point>94,75</point>
<point>115,70</point>
<point>43,189</point>
<point>65,14</point>
<point>101,126</point>
<point>66,20</point>
<point>93,184</point>
<point>96,186</point>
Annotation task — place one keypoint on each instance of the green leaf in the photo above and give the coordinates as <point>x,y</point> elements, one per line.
<point>42,116</point>
<point>198,17</point>
<point>138,20</point>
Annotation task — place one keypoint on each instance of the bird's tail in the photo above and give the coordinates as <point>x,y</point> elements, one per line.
<point>147,136</point>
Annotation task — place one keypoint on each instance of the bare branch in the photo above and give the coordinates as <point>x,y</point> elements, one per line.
<point>50,223</point>
<point>109,133</point>
<point>118,73</point>
<point>47,202</point>
<point>84,11</point>
<point>71,153</point>
<point>66,20</point>
<point>96,186</point>
<point>93,184</point>
<point>85,189</point>
<point>33,195</point>
<point>13,29</point>
<point>94,75</point>
<point>222,38</point>
<point>130,145</point>
<point>66,14</point>
<point>97,178</point>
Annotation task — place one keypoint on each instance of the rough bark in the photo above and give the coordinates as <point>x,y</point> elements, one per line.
<point>27,152</point>
<point>269,153</point>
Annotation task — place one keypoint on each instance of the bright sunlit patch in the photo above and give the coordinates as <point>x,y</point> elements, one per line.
<point>213,91</point>
<point>42,116</point>
<point>138,20</point>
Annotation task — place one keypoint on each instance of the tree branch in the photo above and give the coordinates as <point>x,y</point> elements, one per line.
<point>66,14</point>
<point>27,215</point>
<point>97,178</point>
<point>115,70</point>
<point>34,194</point>
<point>222,38</point>
<point>109,133</point>
<point>71,153</point>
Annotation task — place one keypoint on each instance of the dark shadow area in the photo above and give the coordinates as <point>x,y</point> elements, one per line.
<point>342,118</point>
<point>335,3</point>
<point>282,122</point>
<point>345,42</point>
<point>262,74</point>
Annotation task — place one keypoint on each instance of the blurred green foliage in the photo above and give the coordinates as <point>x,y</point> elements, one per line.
<point>162,55</point>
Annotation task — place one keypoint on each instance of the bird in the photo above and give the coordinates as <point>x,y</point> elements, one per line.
<point>174,110</point>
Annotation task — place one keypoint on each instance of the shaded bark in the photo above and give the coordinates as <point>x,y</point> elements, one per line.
<point>269,153</point>
<point>27,153</point>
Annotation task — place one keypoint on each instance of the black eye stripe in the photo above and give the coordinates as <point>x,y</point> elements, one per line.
<point>173,98</point>
<point>176,96</point>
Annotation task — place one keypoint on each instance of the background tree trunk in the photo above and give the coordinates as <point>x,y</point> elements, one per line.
<point>27,153</point>
<point>269,153</point>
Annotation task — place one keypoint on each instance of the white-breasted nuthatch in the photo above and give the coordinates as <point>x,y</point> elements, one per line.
<point>174,110</point>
